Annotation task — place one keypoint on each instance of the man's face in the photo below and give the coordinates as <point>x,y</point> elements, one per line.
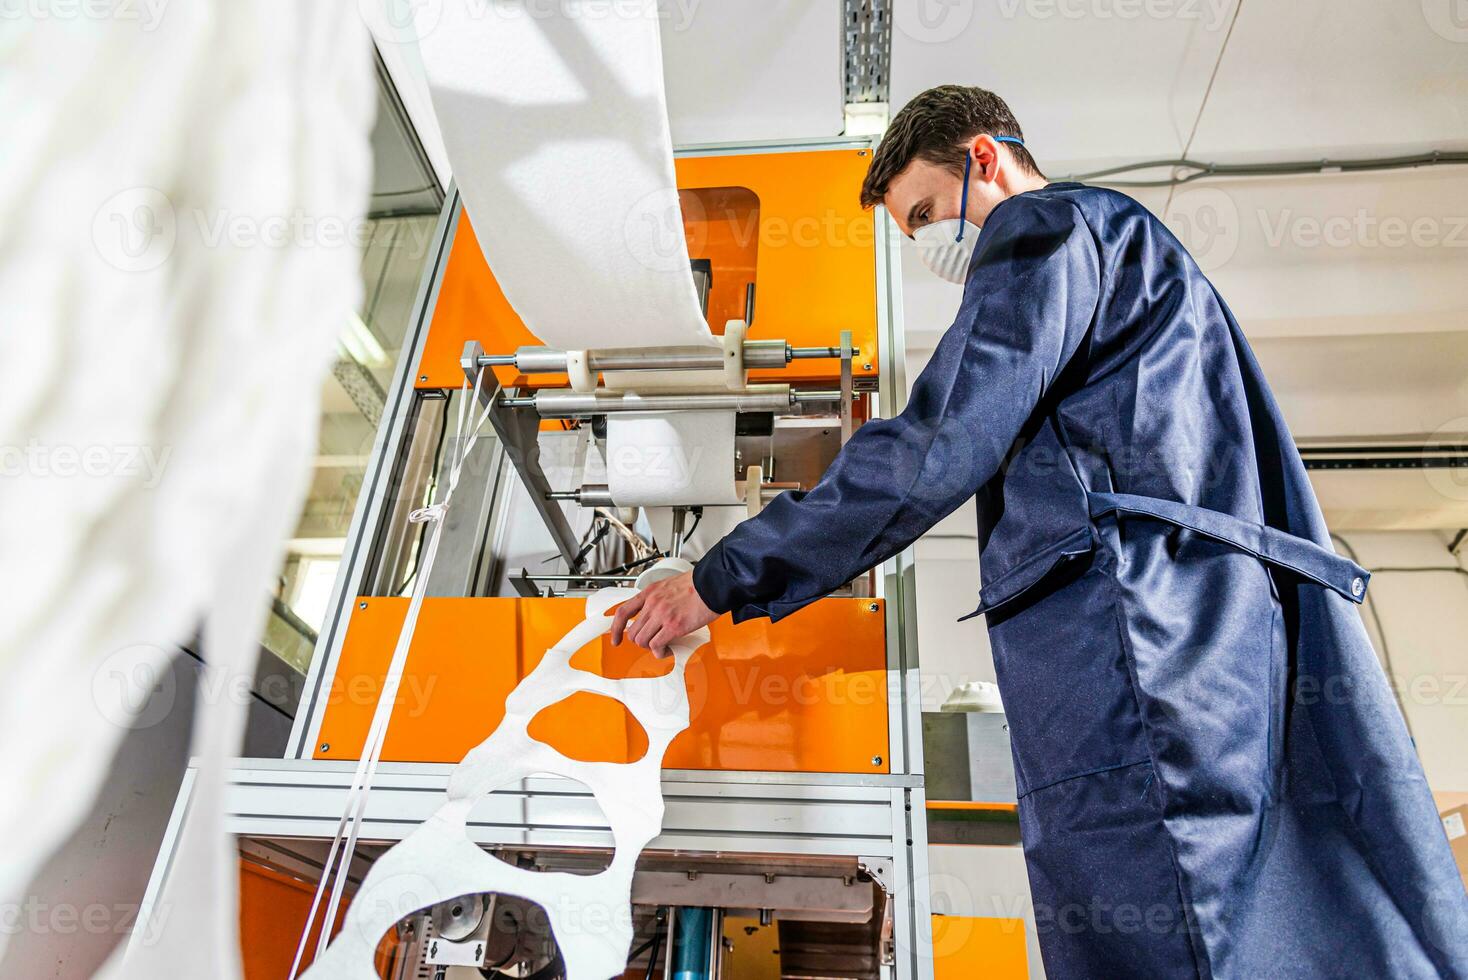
<point>926,192</point>
<point>921,194</point>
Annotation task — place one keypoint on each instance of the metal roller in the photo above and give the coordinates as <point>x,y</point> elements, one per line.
<point>757,354</point>
<point>564,403</point>
<point>600,495</point>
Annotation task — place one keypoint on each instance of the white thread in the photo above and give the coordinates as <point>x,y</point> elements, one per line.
<point>339,855</point>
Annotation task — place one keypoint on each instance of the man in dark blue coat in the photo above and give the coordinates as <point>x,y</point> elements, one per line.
<point>1214,779</point>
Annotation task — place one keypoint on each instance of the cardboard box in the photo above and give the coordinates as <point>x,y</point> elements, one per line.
<point>1455,822</point>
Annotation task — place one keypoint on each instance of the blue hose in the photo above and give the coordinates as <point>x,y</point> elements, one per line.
<point>691,948</point>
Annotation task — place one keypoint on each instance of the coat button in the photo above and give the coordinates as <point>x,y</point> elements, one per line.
<point>1357,586</point>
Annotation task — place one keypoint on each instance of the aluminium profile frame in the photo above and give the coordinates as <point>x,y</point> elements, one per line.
<point>299,796</point>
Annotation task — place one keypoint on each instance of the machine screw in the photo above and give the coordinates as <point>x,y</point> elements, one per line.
<point>872,607</point>
<point>866,367</point>
<point>361,605</point>
<point>325,746</point>
<point>422,377</point>
<point>876,760</point>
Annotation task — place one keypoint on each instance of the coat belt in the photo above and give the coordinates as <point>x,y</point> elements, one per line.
<point>1300,555</point>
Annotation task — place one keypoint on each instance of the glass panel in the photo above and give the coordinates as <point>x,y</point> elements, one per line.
<point>352,402</point>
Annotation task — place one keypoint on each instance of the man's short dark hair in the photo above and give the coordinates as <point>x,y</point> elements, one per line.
<point>937,126</point>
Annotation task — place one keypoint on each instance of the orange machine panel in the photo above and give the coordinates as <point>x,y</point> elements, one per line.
<point>813,246</point>
<point>807,694</point>
<point>273,908</point>
<point>989,947</point>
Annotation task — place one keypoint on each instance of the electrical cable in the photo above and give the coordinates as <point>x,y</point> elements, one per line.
<point>594,534</point>
<point>1287,168</point>
<point>657,947</point>
<point>1203,103</point>
<point>697,517</point>
<point>634,564</point>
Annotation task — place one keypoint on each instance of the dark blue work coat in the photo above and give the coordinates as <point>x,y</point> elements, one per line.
<point>1214,779</point>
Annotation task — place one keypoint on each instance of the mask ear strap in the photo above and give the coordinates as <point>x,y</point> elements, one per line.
<point>963,204</point>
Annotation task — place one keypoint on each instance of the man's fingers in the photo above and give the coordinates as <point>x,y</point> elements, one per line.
<point>624,613</point>
<point>660,643</point>
<point>643,628</point>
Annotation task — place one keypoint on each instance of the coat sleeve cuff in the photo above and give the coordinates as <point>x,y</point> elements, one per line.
<point>713,584</point>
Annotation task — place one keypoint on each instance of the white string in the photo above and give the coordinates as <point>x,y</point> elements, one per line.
<point>344,842</point>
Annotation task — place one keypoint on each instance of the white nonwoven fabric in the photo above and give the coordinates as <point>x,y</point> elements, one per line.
<point>556,125</point>
<point>676,458</point>
<point>590,915</point>
<point>175,265</point>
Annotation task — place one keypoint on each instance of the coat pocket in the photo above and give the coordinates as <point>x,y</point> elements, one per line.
<point>1033,571</point>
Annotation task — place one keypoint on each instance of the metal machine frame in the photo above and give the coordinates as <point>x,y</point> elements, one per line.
<point>876,819</point>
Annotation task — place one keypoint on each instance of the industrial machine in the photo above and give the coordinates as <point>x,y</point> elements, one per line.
<point>794,841</point>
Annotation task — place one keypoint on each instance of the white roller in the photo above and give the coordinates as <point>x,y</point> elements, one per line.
<point>674,459</point>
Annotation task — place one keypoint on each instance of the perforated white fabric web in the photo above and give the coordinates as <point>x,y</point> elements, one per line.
<point>589,914</point>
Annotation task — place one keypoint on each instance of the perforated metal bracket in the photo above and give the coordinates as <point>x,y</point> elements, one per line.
<point>519,433</point>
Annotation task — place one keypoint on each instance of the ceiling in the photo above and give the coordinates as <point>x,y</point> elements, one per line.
<point>1353,288</point>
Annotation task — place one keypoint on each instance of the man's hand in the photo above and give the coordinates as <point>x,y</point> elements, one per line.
<point>665,611</point>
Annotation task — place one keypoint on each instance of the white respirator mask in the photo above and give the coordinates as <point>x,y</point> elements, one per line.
<point>947,247</point>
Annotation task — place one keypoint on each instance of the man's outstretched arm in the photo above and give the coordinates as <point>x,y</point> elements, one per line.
<point>1029,301</point>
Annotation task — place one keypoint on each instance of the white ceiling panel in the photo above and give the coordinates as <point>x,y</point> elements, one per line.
<point>1392,500</point>
<point>1372,249</point>
<point>1311,78</point>
<point>1401,386</point>
<point>757,69</point>
<point>1093,82</point>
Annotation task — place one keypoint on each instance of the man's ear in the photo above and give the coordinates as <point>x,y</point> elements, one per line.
<point>985,153</point>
